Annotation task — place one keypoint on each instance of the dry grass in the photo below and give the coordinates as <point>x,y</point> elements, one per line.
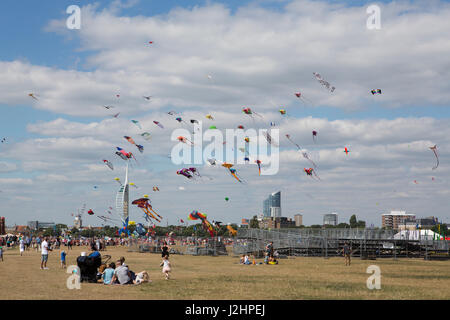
<point>223,278</point>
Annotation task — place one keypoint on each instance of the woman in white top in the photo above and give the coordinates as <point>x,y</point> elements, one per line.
<point>22,246</point>
<point>166,267</point>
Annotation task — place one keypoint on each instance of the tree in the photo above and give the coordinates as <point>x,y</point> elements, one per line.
<point>361,224</point>
<point>254,222</point>
<point>353,221</point>
<point>343,225</point>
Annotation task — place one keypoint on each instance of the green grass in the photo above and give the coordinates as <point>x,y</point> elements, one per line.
<point>200,277</point>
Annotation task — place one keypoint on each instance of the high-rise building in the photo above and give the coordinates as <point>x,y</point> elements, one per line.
<point>2,226</point>
<point>272,205</point>
<point>330,219</point>
<point>298,218</point>
<point>395,218</point>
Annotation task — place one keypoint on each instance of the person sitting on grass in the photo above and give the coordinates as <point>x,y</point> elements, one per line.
<point>108,273</point>
<point>242,260</point>
<point>121,275</point>
<point>246,260</point>
<point>142,277</point>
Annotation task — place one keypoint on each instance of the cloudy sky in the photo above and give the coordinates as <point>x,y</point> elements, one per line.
<point>212,57</point>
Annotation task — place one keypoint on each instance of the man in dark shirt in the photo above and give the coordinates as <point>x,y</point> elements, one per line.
<point>347,251</point>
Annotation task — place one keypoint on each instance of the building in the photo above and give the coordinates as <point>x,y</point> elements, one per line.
<point>272,205</point>
<point>276,223</point>
<point>78,223</point>
<point>122,200</point>
<point>275,212</point>
<point>2,226</point>
<point>395,218</point>
<point>245,222</point>
<point>330,219</point>
<point>409,225</point>
<point>298,218</point>
<point>37,225</point>
<point>21,229</point>
<point>426,223</point>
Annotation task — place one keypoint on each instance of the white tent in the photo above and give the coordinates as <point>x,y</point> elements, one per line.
<point>418,235</point>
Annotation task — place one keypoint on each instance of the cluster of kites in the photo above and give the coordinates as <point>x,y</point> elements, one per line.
<point>193,173</point>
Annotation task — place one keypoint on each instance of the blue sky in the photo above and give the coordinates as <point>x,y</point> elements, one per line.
<point>254,61</point>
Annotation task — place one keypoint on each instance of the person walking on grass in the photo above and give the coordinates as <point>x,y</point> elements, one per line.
<point>21,246</point>
<point>63,259</point>
<point>44,252</point>
<point>347,251</point>
<point>166,267</point>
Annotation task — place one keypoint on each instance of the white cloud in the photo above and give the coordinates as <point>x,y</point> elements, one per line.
<point>258,58</point>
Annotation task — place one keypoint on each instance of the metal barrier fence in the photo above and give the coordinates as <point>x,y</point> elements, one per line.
<point>329,242</point>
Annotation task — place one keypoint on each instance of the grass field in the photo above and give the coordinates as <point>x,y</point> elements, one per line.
<point>222,278</point>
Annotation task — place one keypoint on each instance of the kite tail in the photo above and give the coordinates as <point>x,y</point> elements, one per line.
<point>155,213</point>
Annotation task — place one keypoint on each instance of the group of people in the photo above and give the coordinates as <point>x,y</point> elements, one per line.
<point>119,273</point>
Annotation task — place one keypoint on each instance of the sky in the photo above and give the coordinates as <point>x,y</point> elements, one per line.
<point>217,57</point>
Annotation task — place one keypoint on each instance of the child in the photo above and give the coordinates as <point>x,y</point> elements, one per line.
<point>246,260</point>
<point>142,277</point>
<point>241,261</point>
<point>166,266</point>
<point>63,259</point>
<point>108,273</point>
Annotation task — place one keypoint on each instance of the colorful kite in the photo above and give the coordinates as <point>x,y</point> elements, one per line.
<point>302,97</point>
<point>184,140</point>
<point>346,150</point>
<point>33,95</point>
<point>109,164</point>
<point>269,138</point>
<point>146,136</point>
<point>310,172</point>
<point>90,212</point>
<point>377,91</point>
<point>434,149</point>
<point>241,127</point>
<point>144,204</point>
<point>189,172</point>
<point>137,124</point>
<point>195,215</point>
<point>140,148</point>
<point>210,117</point>
<point>282,111</point>
<point>326,84</point>
<point>232,231</point>
<point>155,189</point>
<point>232,171</point>
<point>258,162</point>
<point>118,181</point>
<point>130,140</point>
<point>304,153</point>
<point>250,113</point>
<point>125,155</point>
<point>158,124</point>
